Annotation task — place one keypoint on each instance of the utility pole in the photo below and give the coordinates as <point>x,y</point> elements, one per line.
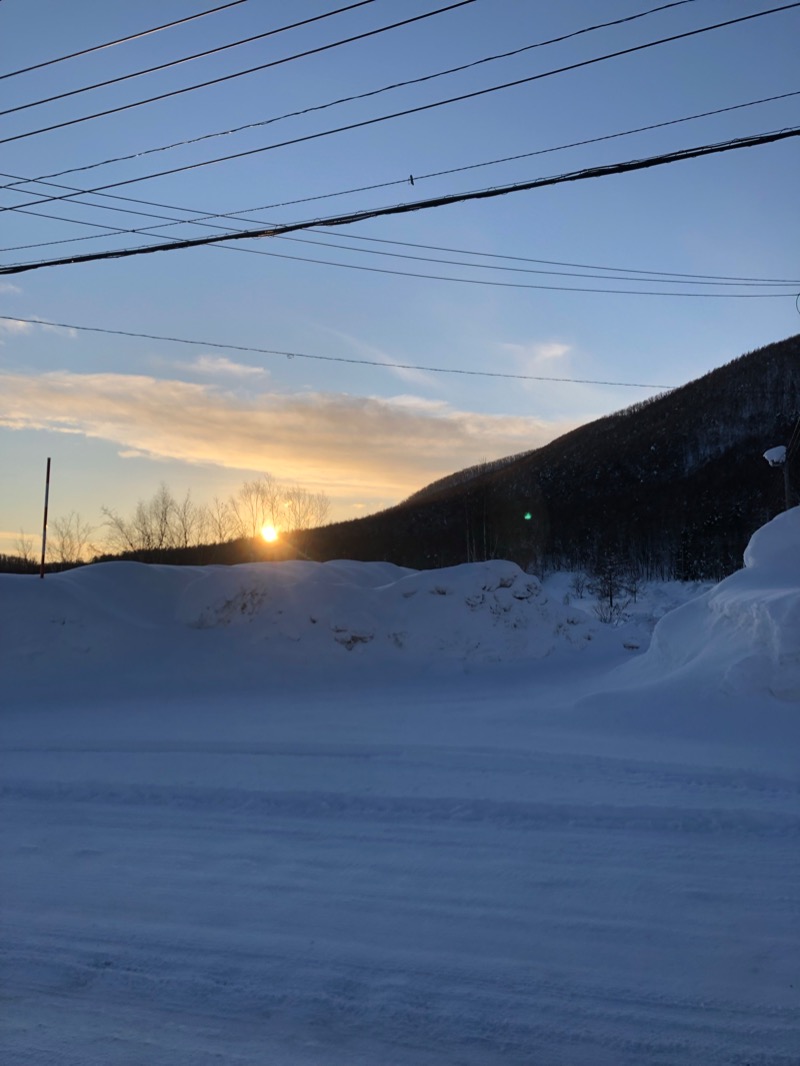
<point>44,526</point>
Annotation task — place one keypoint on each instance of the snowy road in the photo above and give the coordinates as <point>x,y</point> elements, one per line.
<point>200,882</point>
<point>336,814</point>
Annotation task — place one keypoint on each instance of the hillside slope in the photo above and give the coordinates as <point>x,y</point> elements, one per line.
<point>675,485</point>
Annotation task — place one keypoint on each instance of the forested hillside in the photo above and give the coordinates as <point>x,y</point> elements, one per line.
<point>675,485</point>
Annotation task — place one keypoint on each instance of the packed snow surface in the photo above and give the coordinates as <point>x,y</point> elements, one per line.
<point>346,813</point>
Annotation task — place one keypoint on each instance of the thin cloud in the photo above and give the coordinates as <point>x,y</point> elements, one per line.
<point>364,350</point>
<point>6,286</point>
<point>533,356</point>
<point>363,447</point>
<point>219,365</point>
<point>554,359</point>
<point>15,326</point>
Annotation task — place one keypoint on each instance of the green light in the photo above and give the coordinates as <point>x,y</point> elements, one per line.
<point>528,516</point>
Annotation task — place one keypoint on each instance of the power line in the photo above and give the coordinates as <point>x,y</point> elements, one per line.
<point>670,274</point>
<point>331,358</point>
<point>240,73</point>
<point>529,285</point>
<point>420,205</point>
<point>408,111</point>
<point>183,59</point>
<point>239,216</point>
<point>658,276</point>
<point>622,275</point>
<point>358,96</point>
<point>665,277</point>
<point>477,166</point>
<point>668,280</point>
<point>122,40</point>
<point>516,285</point>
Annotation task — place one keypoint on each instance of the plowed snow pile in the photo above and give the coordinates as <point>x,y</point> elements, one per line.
<point>286,612</point>
<point>346,813</point>
<point>743,634</point>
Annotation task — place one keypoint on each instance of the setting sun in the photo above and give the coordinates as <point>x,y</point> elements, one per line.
<point>269,533</point>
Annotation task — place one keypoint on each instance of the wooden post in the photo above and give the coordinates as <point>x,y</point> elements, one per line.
<point>44,526</point>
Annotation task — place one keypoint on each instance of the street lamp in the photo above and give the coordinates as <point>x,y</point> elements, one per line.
<point>777,457</point>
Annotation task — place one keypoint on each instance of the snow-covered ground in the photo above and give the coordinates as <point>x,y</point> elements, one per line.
<point>347,813</point>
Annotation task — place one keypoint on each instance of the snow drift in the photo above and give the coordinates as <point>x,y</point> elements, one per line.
<point>120,621</point>
<point>287,612</point>
<point>743,635</point>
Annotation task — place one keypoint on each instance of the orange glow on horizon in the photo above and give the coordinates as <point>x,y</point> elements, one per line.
<point>269,533</point>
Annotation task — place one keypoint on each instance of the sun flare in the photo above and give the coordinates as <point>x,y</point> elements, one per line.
<point>269,533</point>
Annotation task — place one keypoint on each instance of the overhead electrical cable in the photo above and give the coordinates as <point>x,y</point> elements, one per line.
<point>658,275</point>
<point>411,111</point>
<point>421,205</point>
<point>619,277</point>
<point>122,40</point>
<point>170,220</point>
<point>437,173</point>
<point>526,285</point>
<point>185,59</point>
<point>241,73</point>
<point>357,96</point>
<point>241,215</point>
<point>732,283</point>
<point>622,274</point>
<point>165,221</point>
<point>331,358</point>
<point>44,178</point>
<point>674,274</point>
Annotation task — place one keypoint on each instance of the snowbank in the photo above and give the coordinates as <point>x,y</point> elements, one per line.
<point>124,623</point>
<point>124,619</point>
<point>744,634</point>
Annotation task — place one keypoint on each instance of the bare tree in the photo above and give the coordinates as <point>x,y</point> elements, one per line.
<point>220,521</point>
<point>188,521</point>
<point>160,513</point>
<point>24,547</point>
<point>69,539</point>
<point>303,509</point>
<point>256,504</point>
<point>120,532</point>
<point>164,522</point>
<point>607,584</point>
<point>152,527</point>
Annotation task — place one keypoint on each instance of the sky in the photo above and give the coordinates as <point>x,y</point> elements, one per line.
<point>450,293</point>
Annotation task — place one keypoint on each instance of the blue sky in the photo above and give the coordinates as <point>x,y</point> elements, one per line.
<point>120,415</point>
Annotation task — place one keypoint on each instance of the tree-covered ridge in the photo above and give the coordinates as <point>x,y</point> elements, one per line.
<point>674,485</point>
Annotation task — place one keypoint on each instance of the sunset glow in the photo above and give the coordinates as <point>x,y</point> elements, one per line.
<point>269,533</point>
